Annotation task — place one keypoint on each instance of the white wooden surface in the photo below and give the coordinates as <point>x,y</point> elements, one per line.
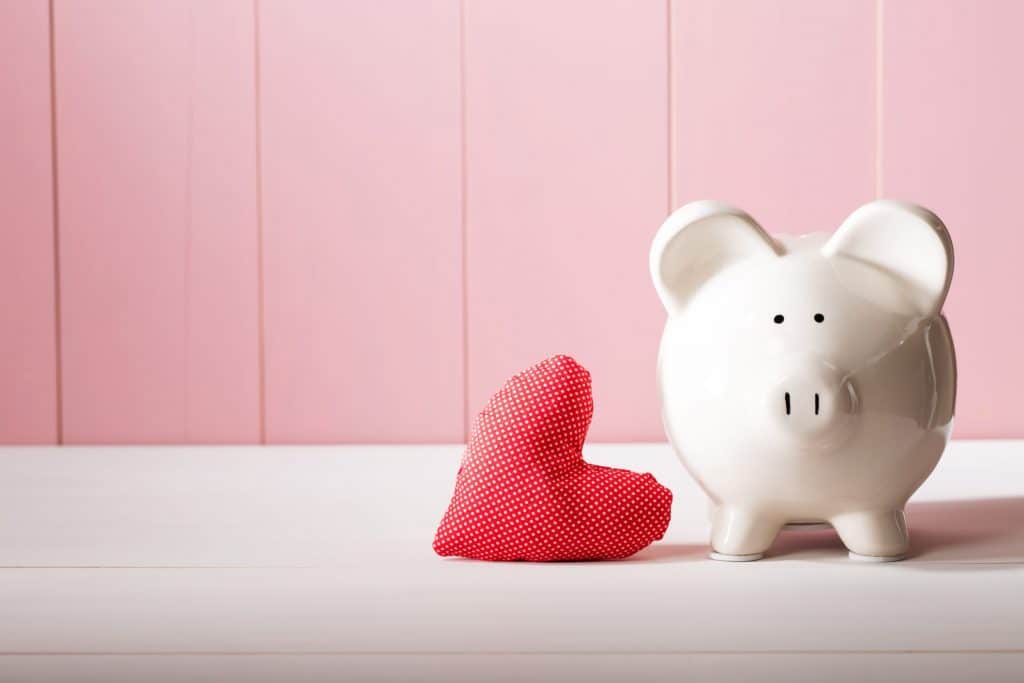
<point>314,563</point>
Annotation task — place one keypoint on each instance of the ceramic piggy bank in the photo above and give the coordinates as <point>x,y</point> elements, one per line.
<point>806,379</point>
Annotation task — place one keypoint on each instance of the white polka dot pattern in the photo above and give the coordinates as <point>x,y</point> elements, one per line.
<point>524,492</point>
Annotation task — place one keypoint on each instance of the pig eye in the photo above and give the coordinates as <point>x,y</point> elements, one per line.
<point>778,319</point>
<point>819,318</point>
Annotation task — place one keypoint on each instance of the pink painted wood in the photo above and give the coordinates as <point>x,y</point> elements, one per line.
<point>774,108</point>
<point>158,220</point>
<point>567,183</point>
<point>361,202</point>
<point>28,355</point>
<point>373,330</point>
<point>953,141</point>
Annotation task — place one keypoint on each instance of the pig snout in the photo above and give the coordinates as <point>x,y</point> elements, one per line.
<point>812,400</point>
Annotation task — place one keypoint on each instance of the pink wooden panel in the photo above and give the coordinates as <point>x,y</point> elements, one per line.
<point>362,220</point>
<point>567,183</point>
<point>775,107</point>
<point>28,379</point>
<point>159,267</point>
<point>953,140</point>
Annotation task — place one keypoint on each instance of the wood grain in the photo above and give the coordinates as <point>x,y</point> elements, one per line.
<point>28,353</point>
<point>362,221</point>
<point>158,253</point>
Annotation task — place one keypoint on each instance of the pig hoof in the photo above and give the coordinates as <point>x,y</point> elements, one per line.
<point>857,557</point>
<point>723,557</point>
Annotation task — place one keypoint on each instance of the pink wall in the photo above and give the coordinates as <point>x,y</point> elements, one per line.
<point>329,221</point>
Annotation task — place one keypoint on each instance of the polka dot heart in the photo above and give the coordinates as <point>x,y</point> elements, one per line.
<point>524,492</point>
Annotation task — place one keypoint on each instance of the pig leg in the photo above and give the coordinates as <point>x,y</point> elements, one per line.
<point>875,536</point>
<point>739,535</point>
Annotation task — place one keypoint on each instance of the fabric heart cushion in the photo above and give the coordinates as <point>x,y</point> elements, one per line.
<point>524,492</point>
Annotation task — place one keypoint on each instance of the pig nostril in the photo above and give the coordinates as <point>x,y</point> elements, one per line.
<point>817,403</point>
<point>787,403</point>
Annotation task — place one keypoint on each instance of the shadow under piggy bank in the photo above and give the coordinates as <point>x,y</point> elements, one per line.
<point>973,531</point>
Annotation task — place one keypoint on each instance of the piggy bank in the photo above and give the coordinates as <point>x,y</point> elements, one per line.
<point>806,379</point>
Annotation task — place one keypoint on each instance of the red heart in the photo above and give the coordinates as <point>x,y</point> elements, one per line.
<point>524,492</point>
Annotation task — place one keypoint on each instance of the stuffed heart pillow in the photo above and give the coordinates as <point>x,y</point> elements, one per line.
<point>524,492</point>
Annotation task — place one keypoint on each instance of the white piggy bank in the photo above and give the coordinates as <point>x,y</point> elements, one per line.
<point>806,379</point>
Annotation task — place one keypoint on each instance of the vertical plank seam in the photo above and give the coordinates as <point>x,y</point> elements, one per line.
<point>55,200</point>
<point>187,251</point>
<point>671,106</point>
<point>464,211</point>
<point>261,314</point>
<point>879,91</point>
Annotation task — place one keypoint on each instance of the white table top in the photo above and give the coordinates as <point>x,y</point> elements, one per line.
<point>314,563</point>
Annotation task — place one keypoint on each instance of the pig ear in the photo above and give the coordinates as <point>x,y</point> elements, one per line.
<point>700,240</point>
<point>906,242</point>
